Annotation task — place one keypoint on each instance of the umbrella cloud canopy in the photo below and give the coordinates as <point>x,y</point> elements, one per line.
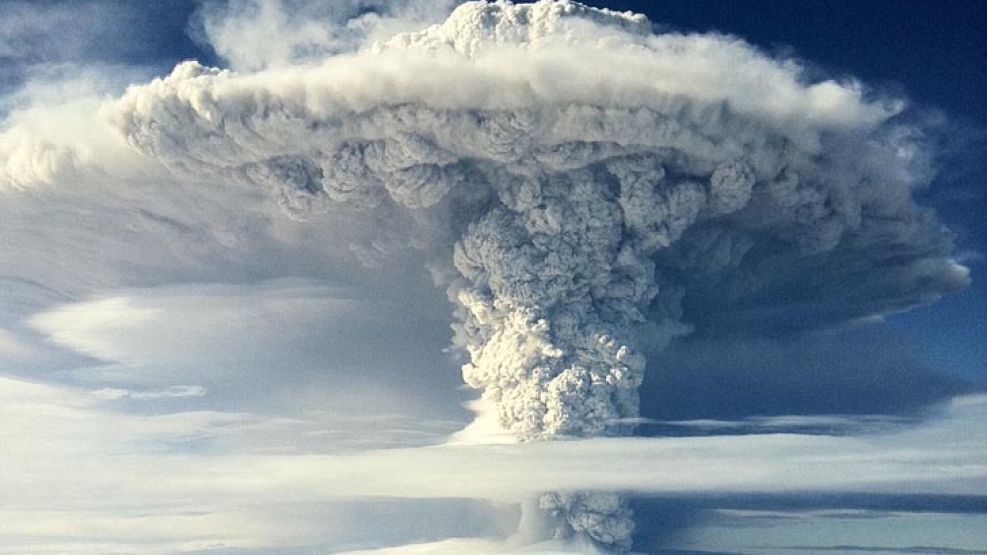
<point>583,187</point>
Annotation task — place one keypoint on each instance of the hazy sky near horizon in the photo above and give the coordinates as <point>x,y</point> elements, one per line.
<point>189,363</point>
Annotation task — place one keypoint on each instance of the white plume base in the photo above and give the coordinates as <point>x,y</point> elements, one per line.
<point>463,546</point>
<point>485,429</point>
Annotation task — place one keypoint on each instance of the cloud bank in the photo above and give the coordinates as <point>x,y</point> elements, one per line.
<point>161,483</point>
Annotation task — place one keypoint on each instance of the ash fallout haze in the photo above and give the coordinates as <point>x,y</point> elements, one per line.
<point>301,276</point>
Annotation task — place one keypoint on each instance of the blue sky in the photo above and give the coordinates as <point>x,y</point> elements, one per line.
<point>240,357</point>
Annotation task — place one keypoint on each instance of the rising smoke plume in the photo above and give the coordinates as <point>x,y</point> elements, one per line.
<point>580,186</point>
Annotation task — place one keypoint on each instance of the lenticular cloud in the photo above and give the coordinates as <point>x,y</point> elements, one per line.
<point>583,188</point>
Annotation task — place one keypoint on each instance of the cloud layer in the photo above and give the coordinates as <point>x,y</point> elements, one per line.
<point>137,474</point>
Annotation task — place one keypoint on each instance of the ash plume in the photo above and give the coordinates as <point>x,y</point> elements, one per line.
<point>580,186</point>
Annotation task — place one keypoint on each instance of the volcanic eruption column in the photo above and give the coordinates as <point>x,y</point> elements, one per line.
<point>588,178</point>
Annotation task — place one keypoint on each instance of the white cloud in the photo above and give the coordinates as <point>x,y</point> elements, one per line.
<point>848,532</point>
<point>257,34</point>
<point>78,475</point>
<point>180,329</point>
<point>53,133</point>
<point>460,546</point>
<point>288,345</point>
<point>73,468</point>
<point>944,456</point>
<point>289,31</point>
<point>175,391</point>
